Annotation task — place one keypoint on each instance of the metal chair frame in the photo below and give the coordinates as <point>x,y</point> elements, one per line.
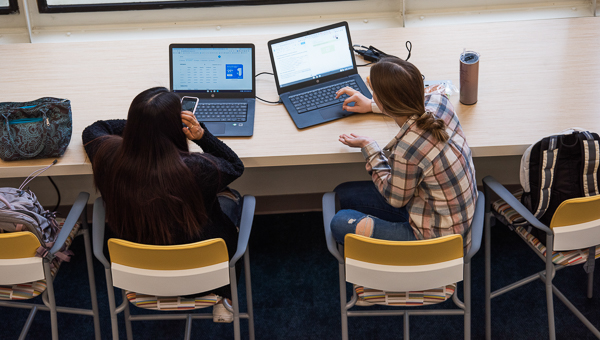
<point>249,203</point>
<point>491,185</point>
<point>78,210</point>
<point>337,250</point>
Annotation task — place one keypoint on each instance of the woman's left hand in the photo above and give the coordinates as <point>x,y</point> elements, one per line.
<point>356,141</point>
<point>194,130</point>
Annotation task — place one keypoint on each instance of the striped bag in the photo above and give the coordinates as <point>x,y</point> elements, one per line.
<point>557,168</point>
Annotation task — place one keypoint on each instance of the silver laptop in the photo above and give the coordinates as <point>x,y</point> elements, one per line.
<point>310,67</point>
<point>222,77</point>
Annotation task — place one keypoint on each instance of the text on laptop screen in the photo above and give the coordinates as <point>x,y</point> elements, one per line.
<point>212,69</point>
<point>312,56</point>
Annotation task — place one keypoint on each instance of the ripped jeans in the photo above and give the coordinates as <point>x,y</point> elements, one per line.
<point>361,199</point>
<point>346,222</point>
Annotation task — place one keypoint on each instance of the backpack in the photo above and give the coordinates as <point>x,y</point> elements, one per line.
<point>21,211</point>
<point>557,168</point>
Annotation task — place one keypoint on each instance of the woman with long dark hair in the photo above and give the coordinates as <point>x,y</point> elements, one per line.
<point>426,187</point>
<point>155,190</point>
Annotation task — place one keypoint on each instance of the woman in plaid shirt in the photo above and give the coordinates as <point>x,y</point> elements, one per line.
<point>426,187</point>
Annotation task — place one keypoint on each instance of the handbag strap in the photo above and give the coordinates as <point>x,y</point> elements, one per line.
<point>12,141</point>
<point>6,203</point>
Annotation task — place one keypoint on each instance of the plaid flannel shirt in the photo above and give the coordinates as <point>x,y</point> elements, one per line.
<point>434,180</point>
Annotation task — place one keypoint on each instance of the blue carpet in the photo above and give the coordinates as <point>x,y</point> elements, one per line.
<point>296,295</point>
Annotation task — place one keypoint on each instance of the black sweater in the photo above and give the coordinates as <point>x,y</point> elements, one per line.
<point>217,168</point>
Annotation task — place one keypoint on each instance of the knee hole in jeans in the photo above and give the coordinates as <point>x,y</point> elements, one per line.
<point>365,226</point>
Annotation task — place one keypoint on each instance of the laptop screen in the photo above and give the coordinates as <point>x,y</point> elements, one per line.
<point>312,56</point>
<point>208,69</point>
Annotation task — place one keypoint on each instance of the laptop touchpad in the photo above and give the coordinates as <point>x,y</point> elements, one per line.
<point>215,128</point>
<point>333,112</point>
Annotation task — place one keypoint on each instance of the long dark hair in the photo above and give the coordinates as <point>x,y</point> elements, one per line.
<point>399,88</point>
<point>150,194</point>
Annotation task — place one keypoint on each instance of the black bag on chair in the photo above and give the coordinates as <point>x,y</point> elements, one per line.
<point>37,129</point>
<point>558,168</point>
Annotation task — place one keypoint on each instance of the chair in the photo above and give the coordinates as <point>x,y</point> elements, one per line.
<point>572,238</point>
<point>157,277</point>
<point>404,273</point>
<point>24,276</point>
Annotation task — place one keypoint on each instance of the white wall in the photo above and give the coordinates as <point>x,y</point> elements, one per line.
<point>286,18</point>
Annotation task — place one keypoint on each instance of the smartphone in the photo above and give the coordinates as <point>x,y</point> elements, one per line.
<point>189,104</point>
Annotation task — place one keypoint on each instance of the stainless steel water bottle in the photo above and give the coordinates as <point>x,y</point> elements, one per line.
<point>469,77</point>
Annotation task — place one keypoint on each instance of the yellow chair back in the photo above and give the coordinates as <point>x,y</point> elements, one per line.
<point>576,223</point>
<point>18,263</point>
<point>403,265</point>
<point>169,270</point>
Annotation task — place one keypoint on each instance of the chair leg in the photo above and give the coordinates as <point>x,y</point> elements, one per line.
<point>92,281</point>
<point>344,311</point>
<point>590,270</point>
<point>51,301</point>
<point>467,298</point>
<point>188,327</point>
<point>406,326</point>
<point>488,278</point>
<point>126,314</point>
<point>550,303</point>
<point>549,295</point>
<point>235,303</point>
<point>575,311</point>
<point>114,323</point>
<point>28,323</point>
<point>249,295</point>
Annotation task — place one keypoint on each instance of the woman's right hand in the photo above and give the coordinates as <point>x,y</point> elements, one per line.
<point>362,104</point>
<point>194,130</point>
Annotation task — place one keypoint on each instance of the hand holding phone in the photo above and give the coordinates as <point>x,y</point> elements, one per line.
<point>192,130</point>
<point>189,104</point>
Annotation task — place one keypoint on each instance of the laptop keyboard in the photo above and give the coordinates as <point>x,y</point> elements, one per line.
<point>222,112</point>
<point>321,97</point>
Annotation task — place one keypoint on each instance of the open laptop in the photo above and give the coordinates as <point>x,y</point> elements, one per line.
<point>310,67</point>
<point>222,77</point>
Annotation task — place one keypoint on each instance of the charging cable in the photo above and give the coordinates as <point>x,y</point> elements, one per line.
<point>266,101</point>
<point>373,54</point>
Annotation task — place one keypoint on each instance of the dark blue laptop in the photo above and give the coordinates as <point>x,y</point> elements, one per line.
<point>222,77</point>
<point>310,67</point>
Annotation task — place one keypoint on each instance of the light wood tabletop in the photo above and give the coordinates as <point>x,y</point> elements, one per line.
<point>535,78</point>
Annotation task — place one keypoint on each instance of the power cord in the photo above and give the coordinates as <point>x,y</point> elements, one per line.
<point>266,101</point>
<point>57,192</point>
<point>373,54</point>
<point>263,73</point>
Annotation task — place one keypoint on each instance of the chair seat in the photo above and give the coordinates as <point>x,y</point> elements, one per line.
<point>505,214</point>
<point>412,298</point>
<point>171,303</point>
<point>29,290</point>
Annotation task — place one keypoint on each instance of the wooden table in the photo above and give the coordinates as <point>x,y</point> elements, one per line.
<point>536,78</point>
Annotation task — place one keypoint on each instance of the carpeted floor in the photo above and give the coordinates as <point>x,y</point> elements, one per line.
<point>296,295</point>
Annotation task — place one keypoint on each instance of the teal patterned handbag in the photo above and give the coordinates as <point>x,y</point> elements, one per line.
<point>37,129</point>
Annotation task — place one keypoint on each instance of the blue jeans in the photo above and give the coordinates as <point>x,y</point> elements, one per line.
<point>231,204</point>
<point>361,199</point>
